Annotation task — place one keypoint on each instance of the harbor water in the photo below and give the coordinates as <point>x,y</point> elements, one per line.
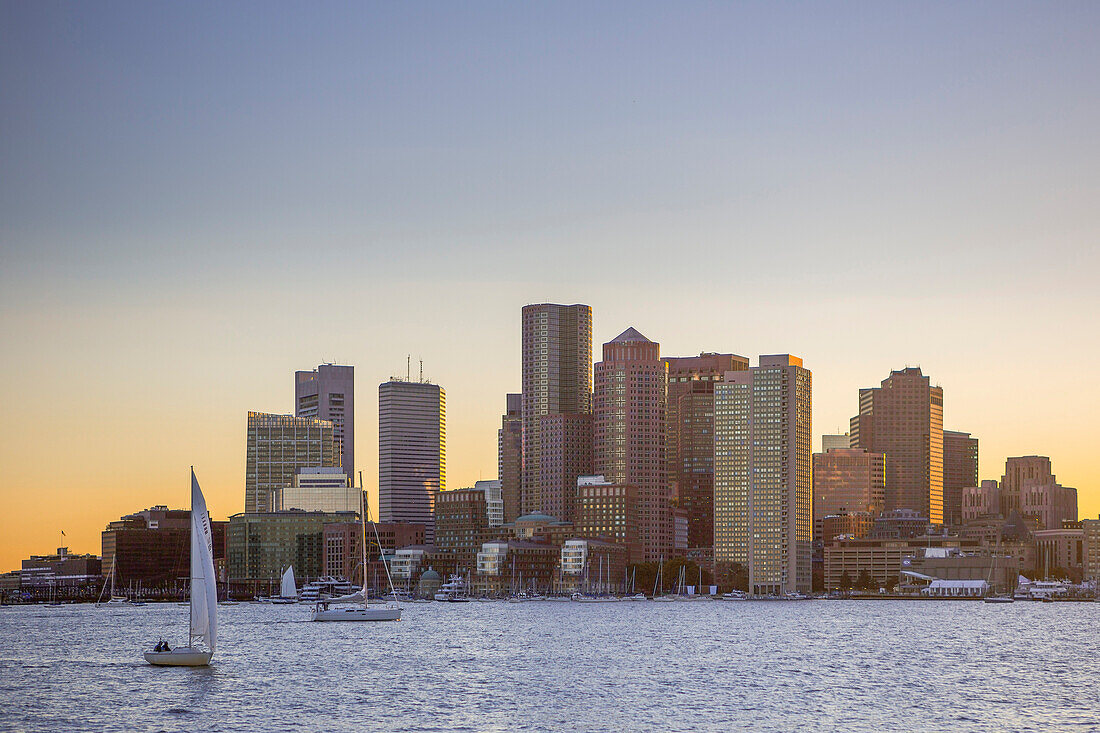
<point>545,666</point>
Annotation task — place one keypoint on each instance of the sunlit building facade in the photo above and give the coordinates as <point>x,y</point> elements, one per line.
<point>847,479</point>
<point>689,438</point>
<point>903,418</point>
<point>762,474</point>
<point>278,447</point>
<point>412,452</point>
<point>320,490</point>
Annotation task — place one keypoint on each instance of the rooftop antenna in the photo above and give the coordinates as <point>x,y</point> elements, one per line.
<point>421,370</point>
<point>408,367</point>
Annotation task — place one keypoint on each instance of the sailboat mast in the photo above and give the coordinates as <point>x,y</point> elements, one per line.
<point>191,590</point>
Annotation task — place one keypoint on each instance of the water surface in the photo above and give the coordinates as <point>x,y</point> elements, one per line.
<point>825,665</point>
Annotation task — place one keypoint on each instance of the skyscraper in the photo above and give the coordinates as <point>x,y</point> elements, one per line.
<point>628,407</point>
<point>960,471</point>
<point>328,393</point>
<point>842,440</point>
<point>510,456</point>
<point>566,454</point>
<point>762,484</point>
<point>412,452</point>
<point>1030,487</point>
<point>557,378</point>
<point>689,438</point>
<point>904,419</point>
<point>277,447</point>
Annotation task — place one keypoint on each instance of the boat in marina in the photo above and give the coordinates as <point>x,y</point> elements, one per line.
<point>288,588</point>
<point>203,618</point>
<point>391,611</point>
<point>113,599</point>
<point>453,591</point>
<point>734,595</point>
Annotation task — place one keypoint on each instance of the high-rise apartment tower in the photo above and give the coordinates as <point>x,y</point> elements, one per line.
<point>557,378</point>
<point>510,456</point>
<point>762,474</point>
<point>628,409</point>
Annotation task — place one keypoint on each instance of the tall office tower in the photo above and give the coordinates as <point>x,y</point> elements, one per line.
<point>628,409</point>
<point>328,393</point>
<point>1030,487</point>
<point>278,447</point>
<point>849,479</point>
<point>904,419</point>
<point>412,452</point>
<point>689,438</point>
<point>510,456</point>
<point>960,471</point>
<point>557,378</point>
<point>762,487</point>
<point>566,454</point>
<point>842,440</point>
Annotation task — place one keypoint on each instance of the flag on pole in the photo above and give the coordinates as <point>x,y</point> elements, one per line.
<point>62,533</point>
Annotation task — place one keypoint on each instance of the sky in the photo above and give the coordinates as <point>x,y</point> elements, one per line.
<point>198,199</point>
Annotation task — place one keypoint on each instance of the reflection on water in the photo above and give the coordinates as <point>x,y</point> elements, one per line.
<point>862,666</point>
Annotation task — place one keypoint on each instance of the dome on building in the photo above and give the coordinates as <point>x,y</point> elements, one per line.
<point>430,575</point>
<point>537,517</point>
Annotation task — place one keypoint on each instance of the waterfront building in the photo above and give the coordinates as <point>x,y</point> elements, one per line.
<point>904,419</point>
<point>324,489</point>
<point>494,501</point>
<point>407,563</point>
<point>153,547</point>
<point>609,511</point>
<point>840,440</point>
<point>261,545</point>
<point>762,474</point>
<point>1090,540</point>
<point>689,438</point>
<point>412,452</point>
<point>60,570</point>
<point>846,524</point>
<point>278,447</point>
<point>556,378</point>
<point>505,566</point>
<point>879,560</point>
<point>1030,487</point>
<point>960,471</point>
<point>566,454</point>
<point>343,545</point>
<point>851,479</point>
<point>628,406</point>
<point>328,393</point>
<point>510,456</point>
<point>595,566</point>
<point>998,567</point>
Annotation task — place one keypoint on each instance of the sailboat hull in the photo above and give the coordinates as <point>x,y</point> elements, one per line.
<point>357,614</point>
<point>183,657</point>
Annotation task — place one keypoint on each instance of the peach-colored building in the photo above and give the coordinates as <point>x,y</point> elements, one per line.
<point>566,454</point>
<point>846,524</point>
<point>850,479</point>
<point>978,501</point>
<point>960,471</point>
<point>904,419</point>
<point>1030,488</point>
<point>628,407</point>
<point>510,456</point>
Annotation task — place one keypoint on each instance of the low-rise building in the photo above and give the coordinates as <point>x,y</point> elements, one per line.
<point>610,512</point>
<point>846,524</point>
<point>1060,552</point>
<point>593,566</point>
<point>343,545</point>
<point>1090,538</point>
<point>899,524</point>
<point>261,545</point>
<point>60,570</point>
<point>512,566</point>
<point>153,547</point>
<point>879,560</point>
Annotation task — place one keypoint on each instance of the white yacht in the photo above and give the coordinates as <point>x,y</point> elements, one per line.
<point>453,591</point>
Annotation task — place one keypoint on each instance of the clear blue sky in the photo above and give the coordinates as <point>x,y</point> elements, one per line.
<point>198,198</point>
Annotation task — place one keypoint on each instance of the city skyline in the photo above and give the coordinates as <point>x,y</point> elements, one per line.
<point>869,190</point>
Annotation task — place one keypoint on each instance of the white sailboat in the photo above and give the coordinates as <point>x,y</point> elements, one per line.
<point>368,612</point>
<point>112,599</point>
<point>204,594</point>
<point>288,588</point>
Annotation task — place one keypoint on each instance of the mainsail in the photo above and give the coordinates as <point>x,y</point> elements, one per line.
<point>204,586</point>
<point>289,589</point>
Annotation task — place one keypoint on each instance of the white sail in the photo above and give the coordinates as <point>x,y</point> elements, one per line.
<point>289,588</point>
<point>204,586</point>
